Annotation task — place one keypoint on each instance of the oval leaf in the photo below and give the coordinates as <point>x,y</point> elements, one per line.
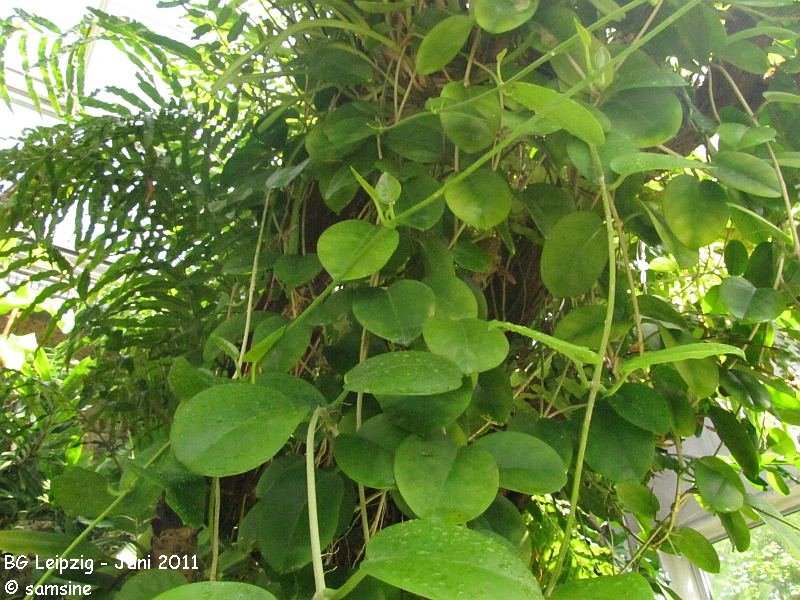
<point>472,344</point>
<point>718,484</point>
<point>442,43</point>
<point>642,406</point>
<point>747,173</point>
<point>696,211</point>
<point>575,254</point>
<point>439,561</point>
<point>411,373</point>
<point>527,464</point>
<point>617,449</point>
<point>483,199</point>
<point>630,586</point>
<point>396,313</point>
<point>355,249</point>
<point>440,480</point>
<point>232,428</point>
<point>214,590</point>
<point>648,116</point>
<point>499,16</point>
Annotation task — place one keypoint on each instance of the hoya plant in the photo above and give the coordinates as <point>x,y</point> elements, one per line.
<point>411,298</point>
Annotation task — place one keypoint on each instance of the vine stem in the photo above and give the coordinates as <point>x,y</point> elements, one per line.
<point>313,523</point>
<point>596,376</point>
<point>217,494</point>
<point>98,519</point>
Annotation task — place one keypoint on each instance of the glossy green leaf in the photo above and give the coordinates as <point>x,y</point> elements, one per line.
<point>442,43</point>
<point>499,16</point>
<point>437,561</point>
<point>756,226</point>
<point>472,344</point>
<point>185,380</point>
<point>734,434</point>
<point>700,374</point>
<point>503,519</point>
<point>565,112</point>
<point>483,199</point>
<point>149,583</point>
<point>279,519</point>
<point>441,481</point>
<point>421,140</point>
<point>736,257</point>
<point>424,414</point>
<point>575,255</point>
<point>527,464</point>
<point>630,586</point>
<point>696,211</point>
<point>696,547</point>
<point>214,590</point>
<point>276,347</point>
<point>718,484</point>
<point>617,449</point>
<point>410,373</point>
<point>355,249</point>
<point>454,298</point>
<point>637,498</point>
<point>583,326</point>
<point>747,56</point>
<point>749,303</point>
<point>648,116</point>
<point>414,191</point>
<point>45,544</point>
<point>232,428</point>
<point>367,456</point>
<point>547,204</point>
<point>747,173</point>
<point>472,257</point>
<point>396,313</point>
<point>642,406</point>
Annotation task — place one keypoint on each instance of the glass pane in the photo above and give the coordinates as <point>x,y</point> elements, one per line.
<point>765,572</point>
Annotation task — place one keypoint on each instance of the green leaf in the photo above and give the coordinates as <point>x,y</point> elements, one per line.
<point>472,257</point>
<point>736,257</point>
<point>388,188</point>
<point>441,481</point>
<point>503,519</point>
<point>185,380</point>
<point>787,533</point>
<point>276,347</point>
<point>575,255</point>
<point>499,16</point>
<point>678,353</point>
<point>546,204</point>
<point>367,456</point>
<point>442,43</point>
<point>355,249</point>
<point>783,97</point>
<point>630,586</point>
<point>696,211</point>
<point>81,492</point>
<point>574,352</point>
<point>45,544</point>
<point>565,112</point>
<point>737,529</point>
<point>279,519</point>
<point>424,414</point>
<point>746,56</point>
<point>718,484</point>
<point>232,428</point>
<point>454,297</point>
<point>474,119</point>
<point>648,116</point>
<point>482,199</point>
<point>527,464</point>
<point>642,406</point>
<point>617,449</point>
<point>583,326</point>
<point>638,499</point>
<point>396,313</point>
<point>214,590</point>
<point>293,270</point>
<point>758,225</point>
<point>470,343</point>
<point>439,561</point>
<point>411,373</point>
<point>420,140</point>
<point>641,162</point>
<point>747,173</point>
<point>749,303</point>
<point>694,546</point>
<point>736,437</point>
<point>383,7</point>
<point>149,583</point>
<point>414,191</point>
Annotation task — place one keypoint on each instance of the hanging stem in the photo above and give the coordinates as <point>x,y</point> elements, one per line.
<point>97,520</point>
<point>217,495</point>
<point>596,376</point>
<point>313,523</point>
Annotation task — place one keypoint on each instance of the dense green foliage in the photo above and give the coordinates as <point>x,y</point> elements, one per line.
<point>389,299</point>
